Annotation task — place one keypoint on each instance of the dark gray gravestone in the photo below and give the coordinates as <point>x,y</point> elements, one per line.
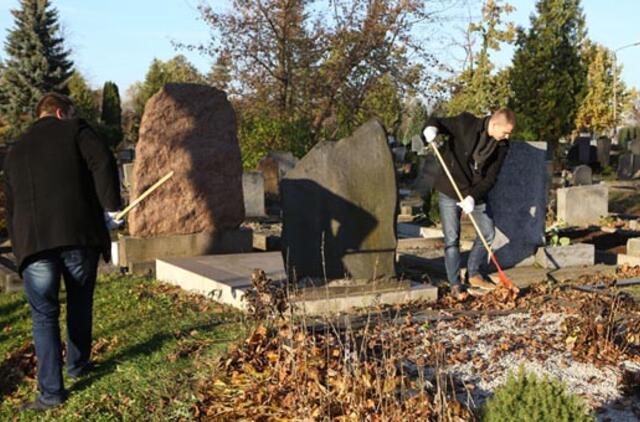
<point>604,151</point>
<point>518,202</point>
<point>584,149</point>
<point>625,166</point>
<point>339,209</point>
<point>582,175</point>
<point>428,169</point>
<point>628,166</point>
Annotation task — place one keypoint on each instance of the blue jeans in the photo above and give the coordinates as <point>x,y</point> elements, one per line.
<point>78,268</point>
<point>450,215</point>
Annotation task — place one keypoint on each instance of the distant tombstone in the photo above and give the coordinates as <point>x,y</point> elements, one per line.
<point>189,129</point>
<point>417,145</point>
<point>519,202</point>
<point>274,167</point>
<point>604,151</point>
<point>582,205</point>
<point>634,147</point>
<point>399,154</point>
<point>625,166</point>
<point>582,175</point>
<point>253,193</point>
<point>126,155</point>
<point>583,144</point>
<point>339,209</point>
<point>127,175</point>
<point>428,170</point>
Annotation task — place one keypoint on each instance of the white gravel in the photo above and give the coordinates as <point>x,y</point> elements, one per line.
<point>597,385</point>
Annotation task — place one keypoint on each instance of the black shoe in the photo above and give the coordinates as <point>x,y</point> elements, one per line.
<point>38,406</point>
<point>82,372</point>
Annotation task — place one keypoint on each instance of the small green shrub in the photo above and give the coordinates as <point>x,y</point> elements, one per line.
<point>527,398</point>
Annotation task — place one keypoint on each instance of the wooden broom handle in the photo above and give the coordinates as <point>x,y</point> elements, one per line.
<point>143,196</point>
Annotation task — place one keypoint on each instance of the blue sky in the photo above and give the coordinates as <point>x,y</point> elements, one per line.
<point>117,39</point>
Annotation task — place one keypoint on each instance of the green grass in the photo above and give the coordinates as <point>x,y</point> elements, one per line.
<point>152,346</point>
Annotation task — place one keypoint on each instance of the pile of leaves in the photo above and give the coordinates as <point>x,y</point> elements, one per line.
<point>17,366</point>
<point>290,371</point>
<point>606,329</point>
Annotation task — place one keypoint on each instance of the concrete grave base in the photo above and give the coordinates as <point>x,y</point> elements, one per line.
<point>224,278</point>
<point>576,255</point>
<point>141,253</point>
<point>320,301</point>
<point>227,278</point>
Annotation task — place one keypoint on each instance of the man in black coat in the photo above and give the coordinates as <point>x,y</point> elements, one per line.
<point>60,182</point>
<point>474,155</point>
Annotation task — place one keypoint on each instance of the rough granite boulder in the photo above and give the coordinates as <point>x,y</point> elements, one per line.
<point>339,209</point>
<point>190,129</point>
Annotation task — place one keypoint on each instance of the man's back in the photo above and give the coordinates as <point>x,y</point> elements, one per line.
<point>59,178</point>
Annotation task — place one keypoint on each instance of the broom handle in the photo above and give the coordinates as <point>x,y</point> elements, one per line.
<point>455,187</point>
<point>144,195</point>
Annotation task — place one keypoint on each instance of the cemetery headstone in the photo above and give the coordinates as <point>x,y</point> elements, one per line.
<point>190,129</point>
<point>582,175</point>
<point>583,143</point>
<point>274,167</point>
<point>339,209</point>
<point>518,202</point>
<point>253,193</point>
<point>634,147</point>
<point>582,205</point>
<point>604,151</point>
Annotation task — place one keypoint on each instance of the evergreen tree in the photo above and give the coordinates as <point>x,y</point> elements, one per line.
<point>37,62</point>
<point>548,76</point>
<point>84,98</point>
<point>111,108</point>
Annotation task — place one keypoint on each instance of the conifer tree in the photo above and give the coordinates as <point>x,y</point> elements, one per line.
<point>37,62</point>
<point>548,78</point>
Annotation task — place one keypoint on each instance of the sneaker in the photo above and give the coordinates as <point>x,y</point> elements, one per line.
<point>38,406</point>
<point>481,283</point>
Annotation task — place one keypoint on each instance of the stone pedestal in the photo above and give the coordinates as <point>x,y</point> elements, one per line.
<point>583,205</point>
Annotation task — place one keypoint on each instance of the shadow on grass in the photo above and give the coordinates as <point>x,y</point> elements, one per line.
<point>11,307</point>
<point>155,343</point>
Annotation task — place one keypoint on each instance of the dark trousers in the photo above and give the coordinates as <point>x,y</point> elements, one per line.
<point>450,214</point>
<point>78,268</point>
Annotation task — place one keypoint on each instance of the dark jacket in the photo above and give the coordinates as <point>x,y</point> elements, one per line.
<point>59,179</point>
<point>464,132</point>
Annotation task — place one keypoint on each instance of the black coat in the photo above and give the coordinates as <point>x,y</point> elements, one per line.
<point>59,179</point>
<point>464,131</point>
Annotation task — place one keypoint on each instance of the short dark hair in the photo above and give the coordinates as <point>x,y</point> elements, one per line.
<point>52,101</point>
<point>506,115</point>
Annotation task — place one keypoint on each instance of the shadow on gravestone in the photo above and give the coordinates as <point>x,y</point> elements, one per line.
<point>519,202</point>
<point>339,206</point>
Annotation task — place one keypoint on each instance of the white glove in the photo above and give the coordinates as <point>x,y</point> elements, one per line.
<point>110,221</point>
<point>467,204</point>
<point>430,133</point>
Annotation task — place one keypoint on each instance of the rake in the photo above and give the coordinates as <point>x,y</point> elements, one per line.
<point>504,280</point>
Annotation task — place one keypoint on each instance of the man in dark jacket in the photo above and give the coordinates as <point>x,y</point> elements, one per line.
<point>59,180</point>
<point>474,155</point>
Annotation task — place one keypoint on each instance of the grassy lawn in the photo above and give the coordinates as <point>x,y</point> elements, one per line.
<point>152,345</point>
